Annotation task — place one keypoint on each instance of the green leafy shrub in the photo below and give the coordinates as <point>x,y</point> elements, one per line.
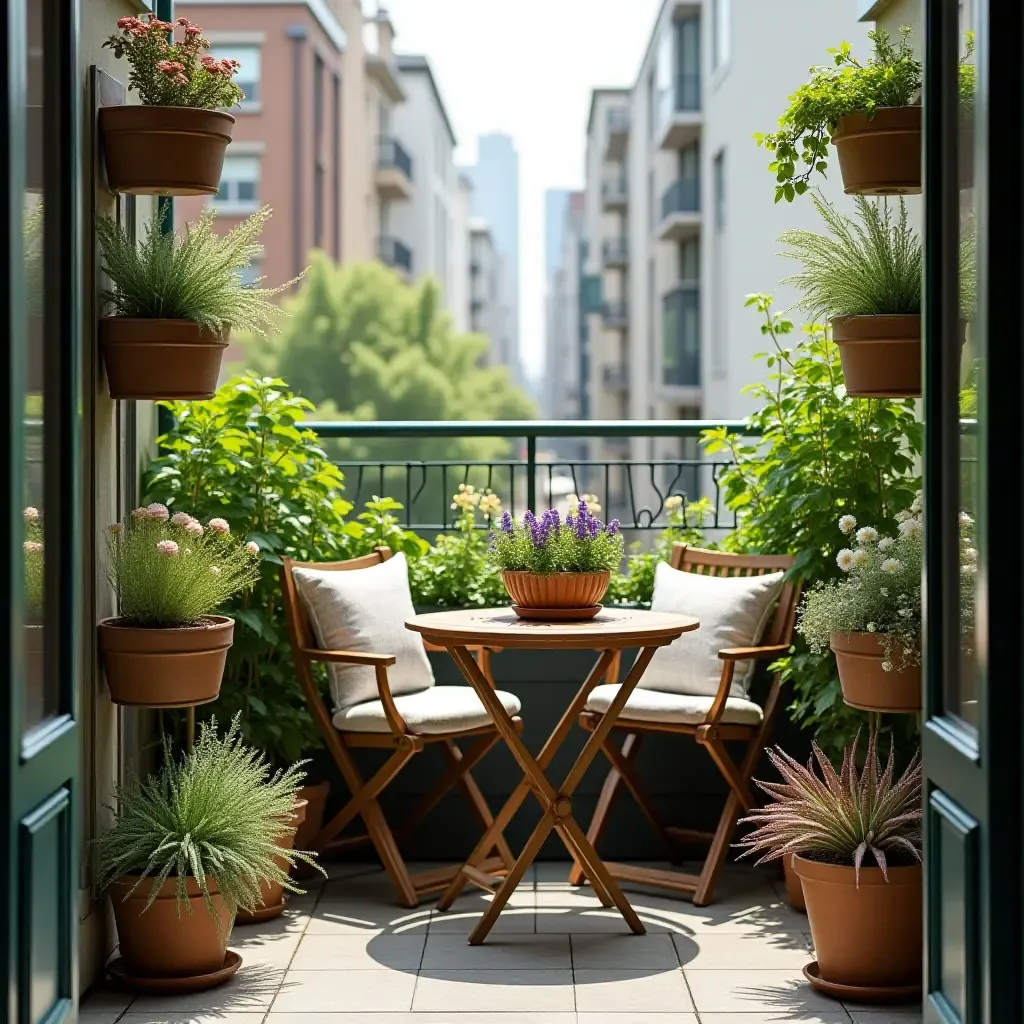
<point>215,813</point>
<point>547,545</point>
<point>170,570</point>
<point>34,566</point>
<point>819,455</point>
<point>195,276</point>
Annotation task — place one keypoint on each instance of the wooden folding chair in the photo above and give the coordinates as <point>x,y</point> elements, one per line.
<point>405,744</point>
<point>712,734</point>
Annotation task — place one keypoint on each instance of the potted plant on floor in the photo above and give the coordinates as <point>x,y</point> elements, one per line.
<point>166,648</point>
<point>188,848</point>
<point>554,569</point>
<point>871,112</point>
<point>174,143</point>
<point>175,299</point>
<point>865,918</point>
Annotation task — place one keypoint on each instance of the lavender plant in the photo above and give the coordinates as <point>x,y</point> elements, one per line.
<point>547,545</point>
<point>839,818</point>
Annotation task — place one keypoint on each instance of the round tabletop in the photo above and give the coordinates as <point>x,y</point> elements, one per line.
<point>610,629</point>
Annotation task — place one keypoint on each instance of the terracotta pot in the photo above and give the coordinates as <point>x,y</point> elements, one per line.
<point>865,683</point>
<point>316,804</point>
<point>163,942</point>
<point>794,890</point>
<point>881,355</point>
<point>880,155</point>
<point>165,668</point>
<point>557,590</point>
<point>167,151</point>
<point>871,935</point>
<point>154,359</point>
<point>273,892</point>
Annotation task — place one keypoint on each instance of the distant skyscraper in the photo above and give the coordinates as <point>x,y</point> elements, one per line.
<point>556,205</point>
<point>495,199</point>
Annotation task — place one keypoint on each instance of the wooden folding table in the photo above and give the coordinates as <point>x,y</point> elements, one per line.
<point>612,630</point>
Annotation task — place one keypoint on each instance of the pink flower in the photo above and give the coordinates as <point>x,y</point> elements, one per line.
<point>181,79</point>
<point>194,528</point>
<point>128,22</point>
<point>169,66</point>
<point>31,514</point>
<point>157,511</point>
<point>220,526</point>
<point>252,547</point>
<point>181,518</point>
<point>167,548</point>
<point>208,62</point>
<point>193,30</point>
<point>183,22</point>
<point>33,547</point>
<point>140,513</point>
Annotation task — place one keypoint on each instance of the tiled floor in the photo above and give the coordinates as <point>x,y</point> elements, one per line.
<point>346,954</point>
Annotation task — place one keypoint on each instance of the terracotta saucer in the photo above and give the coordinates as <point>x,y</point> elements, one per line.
<point>169,986</point>
<point>861,993</point>
<point>263,914</point>
<point>556,614</point>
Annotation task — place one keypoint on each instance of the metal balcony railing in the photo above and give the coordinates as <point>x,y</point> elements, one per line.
<point>682,196</point>
<point>391,154</point>
<point>615,190</point>
<point>615,250</point>
<point>394,253</point>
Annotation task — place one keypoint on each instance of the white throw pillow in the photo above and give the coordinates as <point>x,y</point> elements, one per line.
<point>365,610</point>
<point>733,612</point>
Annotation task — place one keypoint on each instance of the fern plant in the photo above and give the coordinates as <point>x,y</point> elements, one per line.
<point>193,276</point>
<point>215,814</point>
<point>839,817</point>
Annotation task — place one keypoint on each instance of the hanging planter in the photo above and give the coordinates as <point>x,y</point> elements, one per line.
<point>272,890</point>
<point>173,143</point>
<point>161,359</point>
<point>866,684</point>
<point>880,153</point>
<point>881,355</point>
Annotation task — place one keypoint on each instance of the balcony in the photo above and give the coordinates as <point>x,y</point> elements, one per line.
<point>394,170</point>
<point>680,210</point>
<point>615,376</point>
<point>681,112</point>
<point>615,252</point>
<point>680,362</point>
<point>617,130</point>
<point>615,193</point>
<point>615,314</point>
<point>393,253</point>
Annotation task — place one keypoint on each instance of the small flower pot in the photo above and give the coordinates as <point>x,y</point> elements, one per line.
<point>866,685</point>
<point>867,936</point>
<point>273,892</point>
<point>165,668</point>
<point>880,155</point>
<point>166,151</point>
<point>154,359</point>
<point>165,941</point>
<point>794,889</point>
<point>315,797</point>
<point>558,595</point>
<point>881,355</point>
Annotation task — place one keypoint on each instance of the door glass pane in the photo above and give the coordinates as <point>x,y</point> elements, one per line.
<point>39,702</point>
<point>962,687</point>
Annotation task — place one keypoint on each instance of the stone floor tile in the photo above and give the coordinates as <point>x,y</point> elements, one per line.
<point>310,992</point>
<point>359,952</point>
<point>776,1017</point>
<point>450,952</point>
<point>879,1015</point>
<point>761,914</point>
<point>739,951</point>
<point>620,991</point>
<point>109,1017</point>
<point>367,917</point>
<point>630,952</point>
<point>526,1017</point>
<point>495,991</point>
<point>464,914</point>
<point>216,1017</point>
<point>755,991</point>
<point>251,990</point>
<point>105,998</point>
<point>637,1018</point>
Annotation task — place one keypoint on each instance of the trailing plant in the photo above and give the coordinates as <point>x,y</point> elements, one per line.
<point>171,570</point>
<point>813,451</point>
<point>193,276</point>
<point>214,814</point>
<point>169,73</point>
<point>891,77</point>
<point>840,817</point>
<point>547,545</point>
<point>34,567</point>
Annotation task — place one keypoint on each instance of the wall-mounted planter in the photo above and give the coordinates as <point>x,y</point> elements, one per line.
<point>880,155</point>
<point>165,668</point>
<point>167,151</point>
<point>881,355</point>
<point>154,359</point>
<point>866,685</point>
<point>558,595</point>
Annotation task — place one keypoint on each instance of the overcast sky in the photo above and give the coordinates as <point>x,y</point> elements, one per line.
<point>526,68</point>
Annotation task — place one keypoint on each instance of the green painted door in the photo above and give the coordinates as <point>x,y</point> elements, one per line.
<point>974,590</point>
<point>42,513</point>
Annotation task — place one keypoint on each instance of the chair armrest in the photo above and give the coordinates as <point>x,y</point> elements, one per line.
<point>349,657</point>
<point>746,653</point>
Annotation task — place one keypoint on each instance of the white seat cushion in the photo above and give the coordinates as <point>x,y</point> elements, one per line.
<point>438,709</point>
<point>364,610</point>
<point>733,612</point>
<point>674,708</point>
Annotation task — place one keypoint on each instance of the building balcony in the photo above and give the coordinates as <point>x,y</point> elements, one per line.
<point>615,252</point>
<point>615,376</point>
<point>617,130</point>
<point>394,170</point>
<point>681,115</point>
<point>615,193</point>
<point>680,210</point>
<point>395,254</point>
<point>615,314</point>
<point>680,363</point>
<point>385,72</point>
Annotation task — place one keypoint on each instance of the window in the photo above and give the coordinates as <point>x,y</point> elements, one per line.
<point>720,32</point>
<point>239,185</point>
<point>248,76</point>
<point>318,151</point>
<point>719,351</point>
<point>251,274</point>
<point>689,260</point>
<point>688,64</point>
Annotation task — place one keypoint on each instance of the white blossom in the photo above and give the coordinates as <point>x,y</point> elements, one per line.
<point>847,524</point>
<point>867,535</point>
<point>861,558</point>
<point>892,565</point>
<point>965,519</point>
<point>910,528</point>
<point>845,559</point>
<point>886,544</point>
<point>970,556</point>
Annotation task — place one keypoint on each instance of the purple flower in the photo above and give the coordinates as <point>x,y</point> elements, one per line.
<point>551,520</point>
<point>583,510</point>
<point>506,525</point>
<point>613,527</point>
<point>581,525</point>
<point>593,527</point>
